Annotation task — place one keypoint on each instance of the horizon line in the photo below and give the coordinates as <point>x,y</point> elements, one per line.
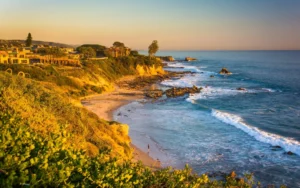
<point>168,49</point>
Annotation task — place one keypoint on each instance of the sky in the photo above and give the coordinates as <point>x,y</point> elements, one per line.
<point>175,24</point>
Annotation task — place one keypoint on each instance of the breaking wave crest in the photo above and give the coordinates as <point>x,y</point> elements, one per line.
<point>275,140</point>
<point>215,92</point>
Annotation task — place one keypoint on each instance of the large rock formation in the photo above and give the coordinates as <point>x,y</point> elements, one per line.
<point>241,89</point>
<point>167,58</point>
<point>156,93</point>
<point>175,92</point>
<point>190,59</point>
<point>225,71</point>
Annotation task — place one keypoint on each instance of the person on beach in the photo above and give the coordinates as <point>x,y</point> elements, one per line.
<point>148,149</point>
<point>158,162</point>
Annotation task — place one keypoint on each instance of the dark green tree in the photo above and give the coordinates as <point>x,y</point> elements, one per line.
<point>134,53</point>
<point>99,49</point>
<point>87,52</point>
<point>153,48</point>
<point>29,40</point>
<point>54,51</point>
<point>118,44</point>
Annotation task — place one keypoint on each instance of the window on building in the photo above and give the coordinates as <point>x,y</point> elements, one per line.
<point>24,61</point>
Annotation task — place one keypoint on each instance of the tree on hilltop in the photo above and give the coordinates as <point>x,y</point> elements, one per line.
<point>28,40</point>
<point>54,51</point>
<point>88,52</point>
<point>118,44</point>
<point>153,48</point>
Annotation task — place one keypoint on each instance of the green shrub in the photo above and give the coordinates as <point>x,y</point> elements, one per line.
<point>97,89</point>
<point>30,160</point>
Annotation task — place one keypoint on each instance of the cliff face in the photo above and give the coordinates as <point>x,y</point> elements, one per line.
<point>149,70</point>
<point>48,100</point>
<point>46,110</point>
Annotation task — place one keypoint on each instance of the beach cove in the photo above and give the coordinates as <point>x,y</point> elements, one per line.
<point>104,106</point>
<point>225,128</point>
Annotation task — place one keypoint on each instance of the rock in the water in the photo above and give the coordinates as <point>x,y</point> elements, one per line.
<point>175,92</point>
<point>289,153</point>
<point>154,93</point>
<point>241,89</point>
<point>225,71</point>
<point>190,59</point>
<point>167,58</point>
<point>276,147</point>
<point>212,76</point>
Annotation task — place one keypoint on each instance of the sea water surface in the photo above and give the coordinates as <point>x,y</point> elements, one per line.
<point>223,129</point>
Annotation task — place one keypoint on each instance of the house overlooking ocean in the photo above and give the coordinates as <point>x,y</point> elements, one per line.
<point>40,54</point>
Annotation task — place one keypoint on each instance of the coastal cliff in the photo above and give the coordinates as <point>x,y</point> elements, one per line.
<point>60,88</point>
<point>49,138</point>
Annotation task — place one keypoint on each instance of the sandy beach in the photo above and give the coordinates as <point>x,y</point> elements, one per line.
<point>105,104</point>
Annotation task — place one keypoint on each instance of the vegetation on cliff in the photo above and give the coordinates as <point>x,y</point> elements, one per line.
<point>49,139</point>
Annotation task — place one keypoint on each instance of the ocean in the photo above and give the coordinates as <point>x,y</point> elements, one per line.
<point>223,129</point>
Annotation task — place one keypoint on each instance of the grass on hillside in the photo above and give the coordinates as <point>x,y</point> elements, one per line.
<point>48,141</point>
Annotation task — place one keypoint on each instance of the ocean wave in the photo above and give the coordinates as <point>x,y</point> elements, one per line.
<point>216,92</point>
<point>211,93</point>
<point>287,144</point>
<point>188,80</point>
<point>185,67</point>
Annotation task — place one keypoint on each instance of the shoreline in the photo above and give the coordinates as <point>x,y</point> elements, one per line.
<point>104,105</point>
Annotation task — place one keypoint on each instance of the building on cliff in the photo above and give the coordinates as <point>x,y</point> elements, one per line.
<point>15,56</point>
<point>118,51</point>
<point>26,56</point>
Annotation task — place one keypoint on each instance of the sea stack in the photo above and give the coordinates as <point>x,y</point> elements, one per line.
<point>190,59</point>
<point>225,71</point>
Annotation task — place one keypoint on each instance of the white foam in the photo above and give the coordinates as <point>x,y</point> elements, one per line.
<point>209,92</point>
<point>287,144</point>
<point>185,67</point>
<point>186,81</point>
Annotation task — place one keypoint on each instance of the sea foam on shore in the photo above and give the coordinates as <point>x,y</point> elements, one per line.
<point>275,140</point>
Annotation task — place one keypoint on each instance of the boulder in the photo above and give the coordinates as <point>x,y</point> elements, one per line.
<point>212,76</point>
<point>190,59</point>
<point>175,91</point>
<point>276,148</point>
<point>156,93</point>
<point>289,153</point>
<point>241,89</point>
<point>167,58</point>
<point>225,71</point>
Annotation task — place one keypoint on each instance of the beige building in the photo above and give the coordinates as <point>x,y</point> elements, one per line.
<point>26,56</point>
<point>15,56</point>
<point>118,51</point>
<point>4,57</point>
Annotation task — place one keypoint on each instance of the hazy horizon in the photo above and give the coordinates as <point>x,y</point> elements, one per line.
<point>177,25</point>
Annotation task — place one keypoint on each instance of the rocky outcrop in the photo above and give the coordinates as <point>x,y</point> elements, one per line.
<point>154,93</point>
<point>175,92</point>
<point>190,59</point>
<point>167,58</point>
<point>289,153</point>
<point>241,89</point>
<point>225,71</point>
